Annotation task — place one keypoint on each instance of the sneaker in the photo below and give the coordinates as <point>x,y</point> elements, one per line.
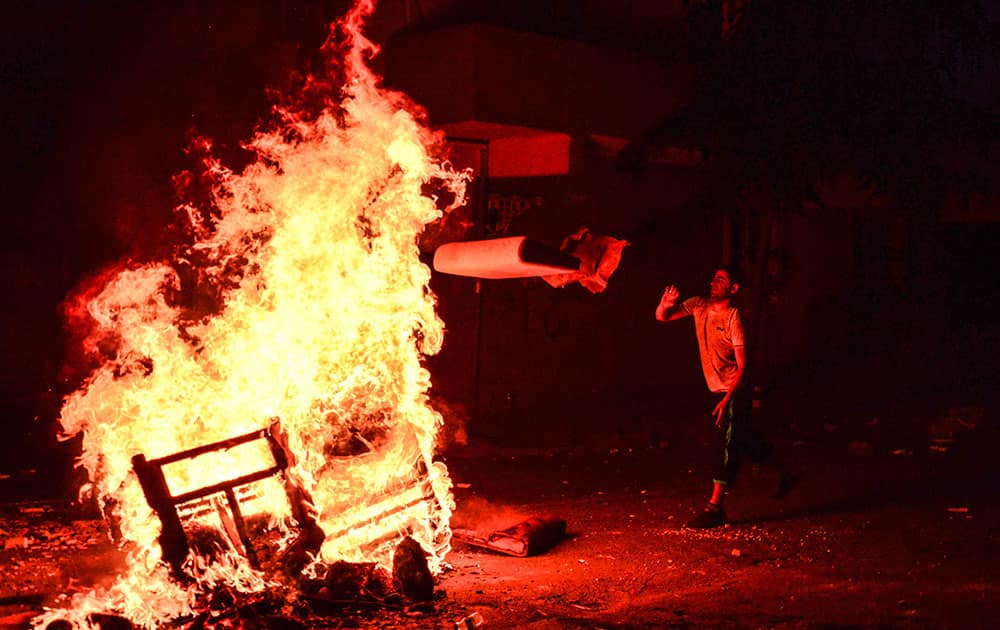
<point>710,517</point>
<point>786,483</point>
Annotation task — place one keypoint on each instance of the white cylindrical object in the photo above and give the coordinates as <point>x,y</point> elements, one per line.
<point>507,257</point>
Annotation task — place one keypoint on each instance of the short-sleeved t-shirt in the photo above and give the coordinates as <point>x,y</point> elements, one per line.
<point>718,332</point>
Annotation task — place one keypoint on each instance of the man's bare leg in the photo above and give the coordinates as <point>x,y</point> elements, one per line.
<point>718,495</point>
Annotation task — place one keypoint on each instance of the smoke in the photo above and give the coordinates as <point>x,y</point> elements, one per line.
<point>455,419</point>
<point>478,514</point>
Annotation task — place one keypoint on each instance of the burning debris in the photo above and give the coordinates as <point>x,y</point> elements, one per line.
<point>174,541</point>
<point>258,412</point>
<point>410,572</point>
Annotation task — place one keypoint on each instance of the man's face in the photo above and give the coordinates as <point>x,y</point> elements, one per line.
<point>722,285</point>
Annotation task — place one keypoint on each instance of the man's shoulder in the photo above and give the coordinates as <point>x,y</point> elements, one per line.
<point>695,303</point>
<point>734,315</point>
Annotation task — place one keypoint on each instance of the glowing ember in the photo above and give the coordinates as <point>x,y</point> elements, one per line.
<point>319,315</point>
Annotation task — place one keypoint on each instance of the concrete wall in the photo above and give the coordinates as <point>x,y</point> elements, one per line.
<point>480,72</point>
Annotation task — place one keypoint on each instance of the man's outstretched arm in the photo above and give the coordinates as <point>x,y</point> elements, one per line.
<point>739,353</point>
<point>668,309</point>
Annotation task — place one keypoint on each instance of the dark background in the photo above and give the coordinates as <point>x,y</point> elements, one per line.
<point>100,99</point>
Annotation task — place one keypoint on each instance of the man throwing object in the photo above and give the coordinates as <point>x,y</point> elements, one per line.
<point>718,326</point>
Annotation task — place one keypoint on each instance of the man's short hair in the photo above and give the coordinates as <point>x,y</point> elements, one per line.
<point>735,276</point>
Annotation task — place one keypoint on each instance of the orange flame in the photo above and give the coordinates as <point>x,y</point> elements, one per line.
<point>319,314</point>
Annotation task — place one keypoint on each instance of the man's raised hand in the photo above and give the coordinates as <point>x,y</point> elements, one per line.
<point>670,295</point>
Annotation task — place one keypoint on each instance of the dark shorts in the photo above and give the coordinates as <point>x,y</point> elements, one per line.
<point>736,439</point>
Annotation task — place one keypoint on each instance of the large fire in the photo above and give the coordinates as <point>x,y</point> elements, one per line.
<point>318,316</point>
